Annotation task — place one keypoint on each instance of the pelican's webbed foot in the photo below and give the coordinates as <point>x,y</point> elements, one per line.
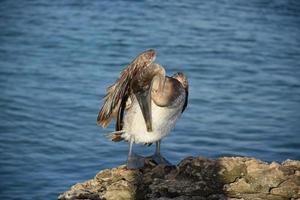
<point>135,161</point>
<point>158,159</point>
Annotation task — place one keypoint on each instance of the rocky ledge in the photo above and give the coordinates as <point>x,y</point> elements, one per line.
<point>195,178</point>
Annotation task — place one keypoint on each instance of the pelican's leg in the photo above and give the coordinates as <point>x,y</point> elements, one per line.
<point>134,161</point>
<point>158,158</point>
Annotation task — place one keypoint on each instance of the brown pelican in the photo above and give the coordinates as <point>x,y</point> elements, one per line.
<point>146,105</point>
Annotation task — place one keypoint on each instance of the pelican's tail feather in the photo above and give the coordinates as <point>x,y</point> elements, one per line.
<point>116,136</point>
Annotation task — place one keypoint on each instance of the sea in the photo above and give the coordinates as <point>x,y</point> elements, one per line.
<point>242,60</point>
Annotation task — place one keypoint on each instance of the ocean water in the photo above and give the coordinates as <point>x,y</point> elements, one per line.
<point>57,57</point>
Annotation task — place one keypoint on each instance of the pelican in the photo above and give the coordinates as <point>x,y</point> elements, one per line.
<point>145,104</point>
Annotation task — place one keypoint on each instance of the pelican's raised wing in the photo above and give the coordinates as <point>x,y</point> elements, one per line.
<point>118,93</point>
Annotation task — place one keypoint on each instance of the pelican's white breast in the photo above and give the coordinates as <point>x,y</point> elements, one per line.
<point>163,120</point>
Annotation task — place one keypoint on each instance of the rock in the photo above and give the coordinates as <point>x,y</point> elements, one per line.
<point>195,178</point>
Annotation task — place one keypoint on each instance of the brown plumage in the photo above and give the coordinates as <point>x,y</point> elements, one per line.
<point>184,82</point>
<point>117,93</point>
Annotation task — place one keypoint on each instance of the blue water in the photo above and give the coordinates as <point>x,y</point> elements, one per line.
<point>56,59</point>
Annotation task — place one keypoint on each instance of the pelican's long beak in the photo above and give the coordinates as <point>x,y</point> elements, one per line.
<point>144,99</point>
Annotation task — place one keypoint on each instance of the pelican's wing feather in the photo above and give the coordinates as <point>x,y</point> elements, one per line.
<point>118,93</point>
<point>186,100</point>
<point>181,77</point>
<point>143,79</point>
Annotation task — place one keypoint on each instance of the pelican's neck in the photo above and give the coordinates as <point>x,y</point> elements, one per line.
<point>158,91</point>
<point>158,83</point>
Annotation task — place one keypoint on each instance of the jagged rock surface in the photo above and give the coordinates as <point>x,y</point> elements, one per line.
<point>195,179</point>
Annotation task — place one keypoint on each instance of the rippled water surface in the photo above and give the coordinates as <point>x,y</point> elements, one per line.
<point>56,59</point>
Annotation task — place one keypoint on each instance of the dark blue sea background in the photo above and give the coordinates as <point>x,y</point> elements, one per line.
<point>242,59</point>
